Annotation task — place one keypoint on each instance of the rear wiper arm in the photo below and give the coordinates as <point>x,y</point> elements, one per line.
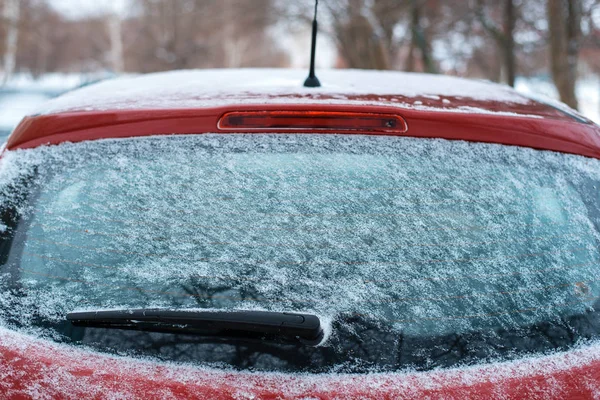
<point>252,325</point>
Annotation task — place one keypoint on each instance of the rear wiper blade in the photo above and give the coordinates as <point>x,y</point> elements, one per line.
<point>242,325</point>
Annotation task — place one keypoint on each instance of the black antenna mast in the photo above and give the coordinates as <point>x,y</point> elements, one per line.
<point>312,80</point>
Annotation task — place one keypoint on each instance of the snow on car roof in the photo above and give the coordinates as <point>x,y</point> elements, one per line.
<point>218,87</point>
<point>192,101</point>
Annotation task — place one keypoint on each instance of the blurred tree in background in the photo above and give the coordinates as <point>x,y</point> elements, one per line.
<point>564,21</point>
<point>156,35</point>
<point>10,22</point>
<point>175,34</point>
<point>491,39</point>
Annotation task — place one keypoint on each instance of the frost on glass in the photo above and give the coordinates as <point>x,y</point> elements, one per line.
<point>425,237</point>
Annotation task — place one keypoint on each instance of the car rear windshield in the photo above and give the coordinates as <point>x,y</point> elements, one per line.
<point>414,253</point>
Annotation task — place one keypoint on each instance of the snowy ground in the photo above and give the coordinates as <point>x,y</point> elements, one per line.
<point>48,82</point>
<point>588,93</point>
<point>23,95</point>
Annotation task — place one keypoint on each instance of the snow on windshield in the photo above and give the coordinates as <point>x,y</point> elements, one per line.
<point>401,229</point>
<point>428,237</point>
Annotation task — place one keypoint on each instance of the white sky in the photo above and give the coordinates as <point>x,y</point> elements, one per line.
<point>80,8</point>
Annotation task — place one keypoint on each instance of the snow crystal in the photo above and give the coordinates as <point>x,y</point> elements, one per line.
<point>430,237</point>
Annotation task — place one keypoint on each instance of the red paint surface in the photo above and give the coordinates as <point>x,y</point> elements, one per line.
<point>62,372</point>
<point>34,366</point>
<point>558,134</point>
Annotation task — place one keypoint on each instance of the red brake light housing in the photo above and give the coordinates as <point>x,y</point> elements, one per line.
<point>278,121</point>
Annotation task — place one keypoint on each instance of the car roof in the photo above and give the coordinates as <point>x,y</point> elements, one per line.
<point>192,101</point>
<point>220,87</point>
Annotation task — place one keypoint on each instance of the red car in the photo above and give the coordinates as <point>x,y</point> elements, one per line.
<point>231,234</point>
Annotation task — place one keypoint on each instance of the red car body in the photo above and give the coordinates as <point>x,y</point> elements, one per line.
<point>32,367</point>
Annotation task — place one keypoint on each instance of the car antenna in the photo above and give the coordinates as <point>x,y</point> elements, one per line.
<point>312,80</point>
